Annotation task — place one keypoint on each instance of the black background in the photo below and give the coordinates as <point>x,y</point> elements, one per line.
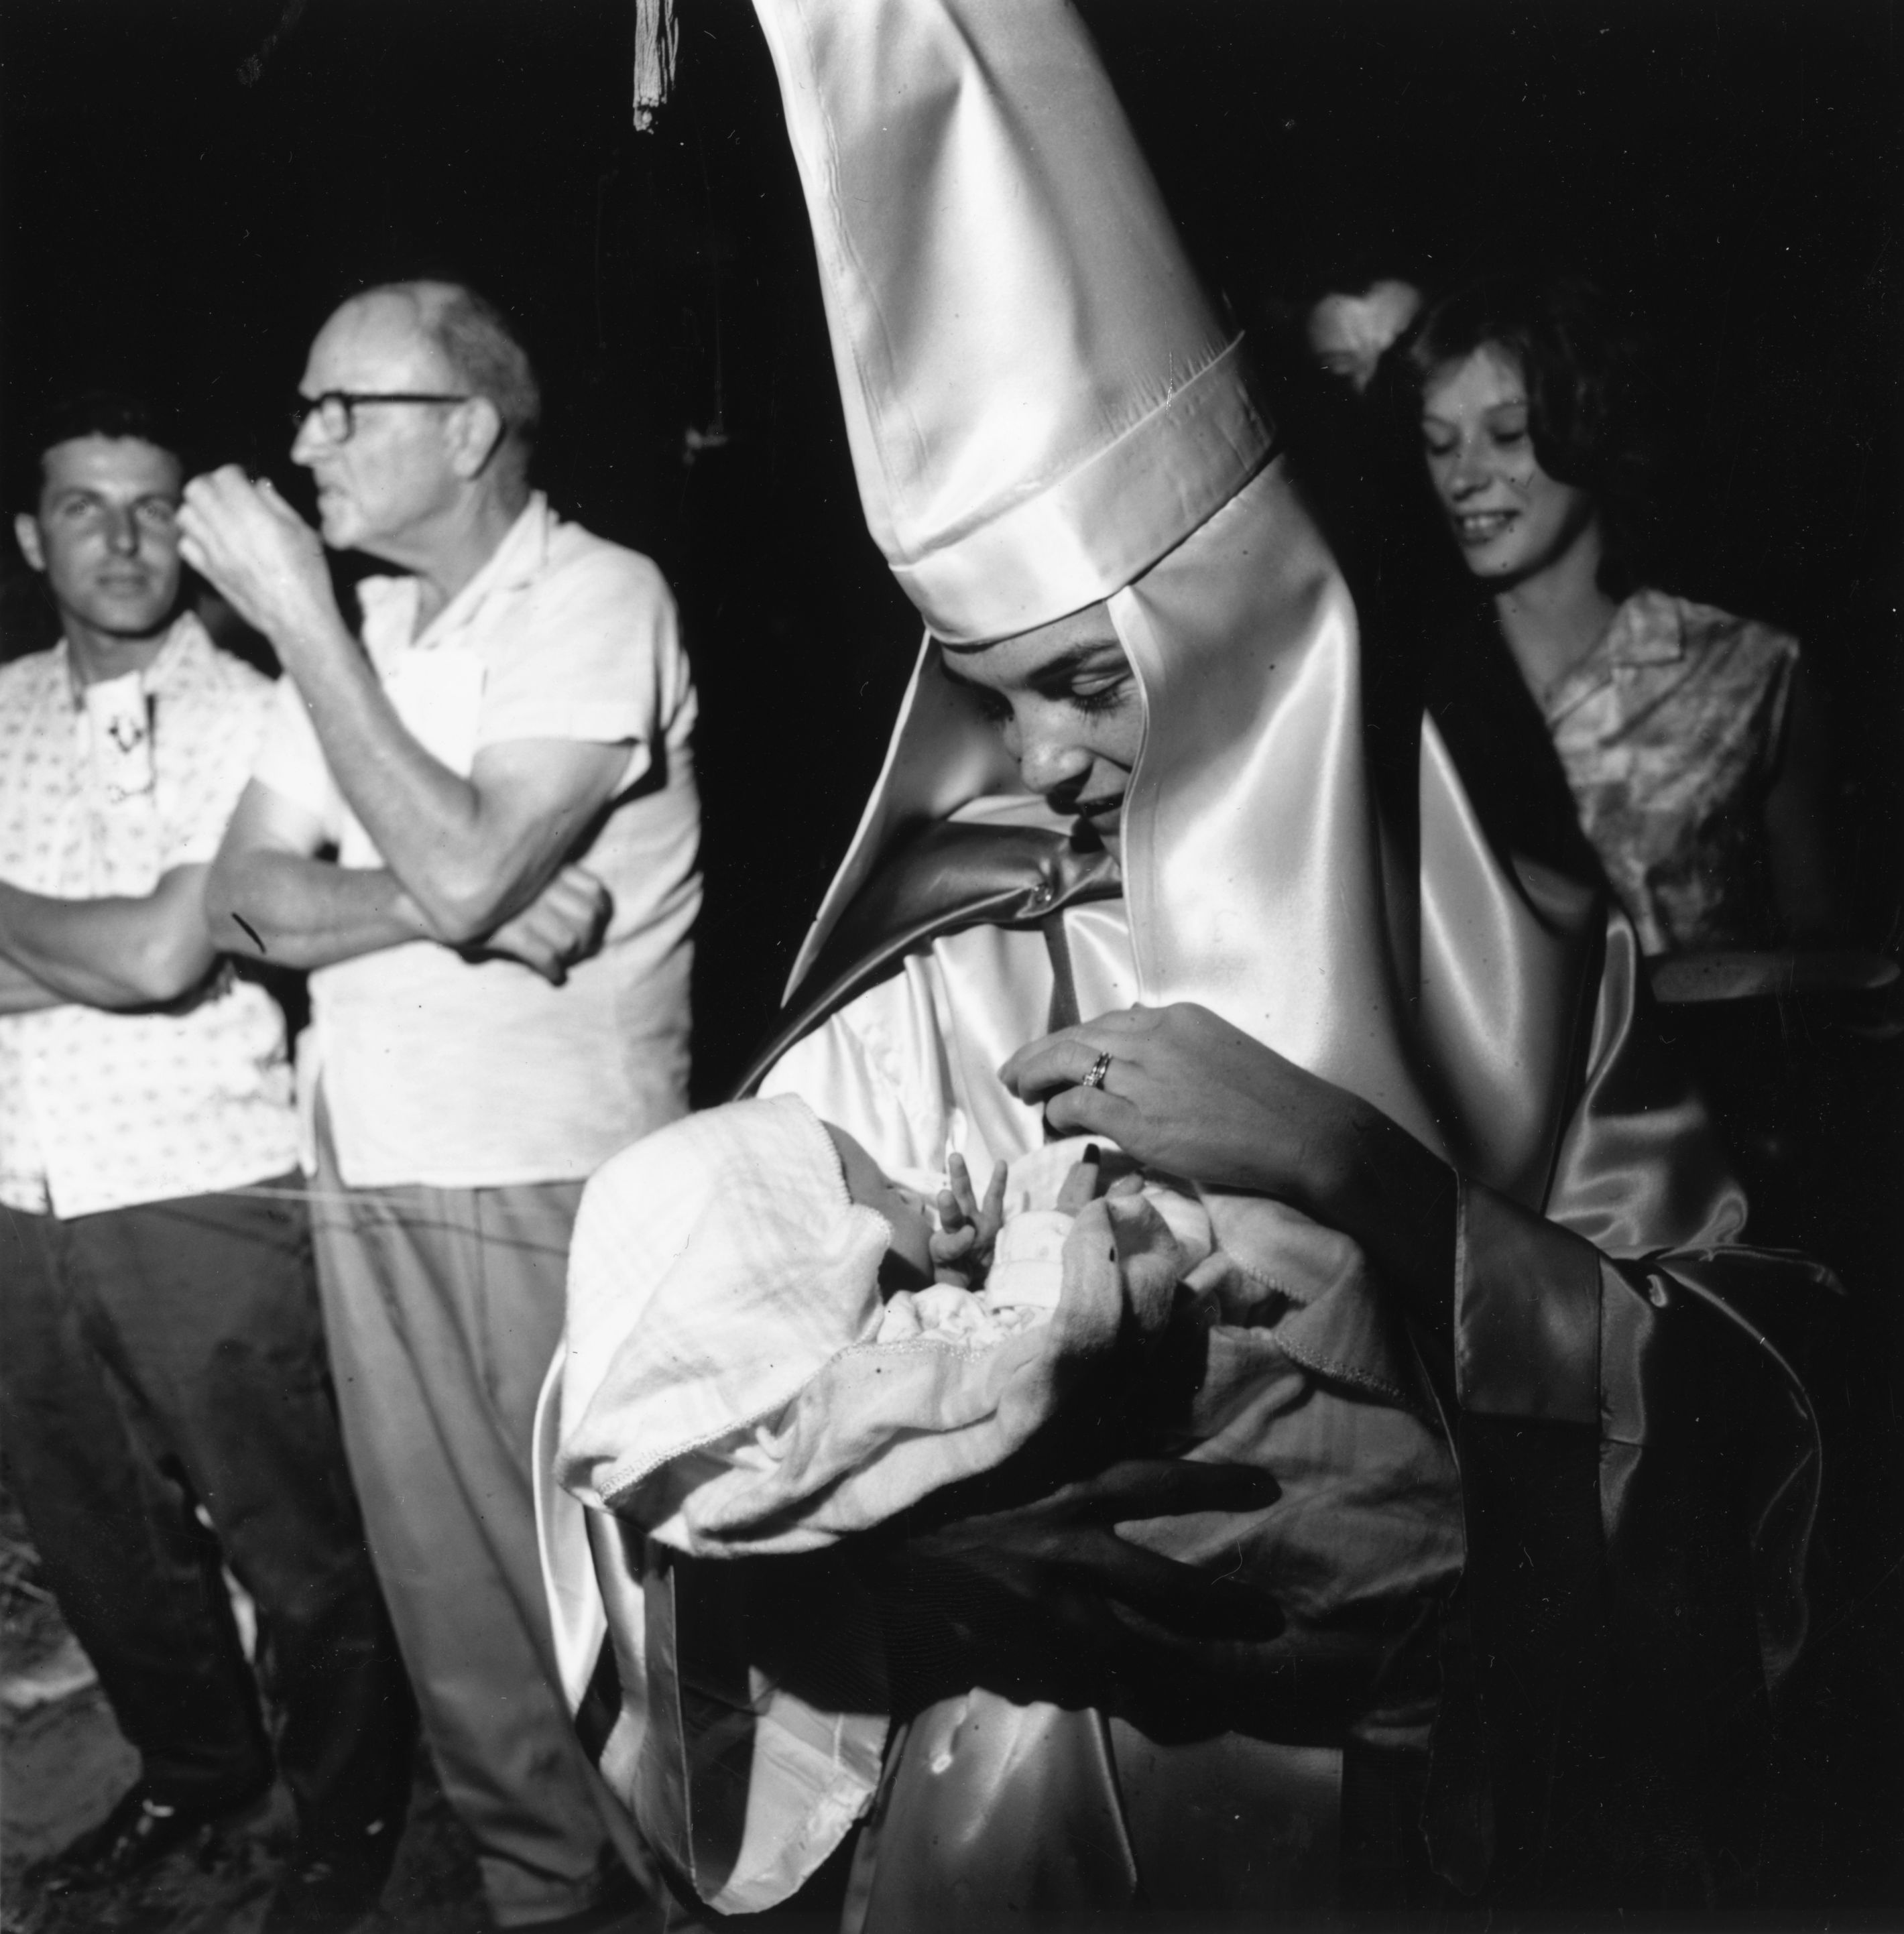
<point>189,188</point>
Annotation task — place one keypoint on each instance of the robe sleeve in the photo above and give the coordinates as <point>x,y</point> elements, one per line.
<point>1640,1471</point>
<point>1554,1314</point>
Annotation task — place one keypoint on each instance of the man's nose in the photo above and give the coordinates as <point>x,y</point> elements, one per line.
<point>309,442</point>
<point>121,530</point>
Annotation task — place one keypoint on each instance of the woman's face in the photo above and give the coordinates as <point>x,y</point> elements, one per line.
<point>1067,701</point>
<point>1511,518</point>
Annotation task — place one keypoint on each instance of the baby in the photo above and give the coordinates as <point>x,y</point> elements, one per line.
<point>958,1267</point>
<point>771,1342</point>
<point>772,1345</point>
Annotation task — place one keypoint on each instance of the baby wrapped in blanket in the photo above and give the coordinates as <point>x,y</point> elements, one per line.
<point>756,1362</point>
<point>760,1359</point>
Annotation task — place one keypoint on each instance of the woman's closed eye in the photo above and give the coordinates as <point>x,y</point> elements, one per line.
<point>1093,700</point>
<point>1105,698</point>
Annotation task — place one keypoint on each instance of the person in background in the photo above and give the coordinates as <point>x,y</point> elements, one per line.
<point>1610,727</point>
<point>500,949</point>
<point>1680,750</point>
<point>164,1365</point>
<point>1350,329</point>
<point>1323,354</point>
<point>1691,740</point>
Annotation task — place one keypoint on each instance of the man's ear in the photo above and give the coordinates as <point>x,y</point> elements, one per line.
<point>476,436</point>
<point>26,529</point>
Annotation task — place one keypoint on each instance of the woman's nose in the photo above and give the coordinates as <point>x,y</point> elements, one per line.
<point>1466,472</point>
<point>1049,757</point>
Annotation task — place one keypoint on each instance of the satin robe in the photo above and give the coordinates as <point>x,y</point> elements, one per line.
<point>1638,1469</point>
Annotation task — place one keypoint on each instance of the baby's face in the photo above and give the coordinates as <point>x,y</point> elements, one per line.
<point>909,1264</point>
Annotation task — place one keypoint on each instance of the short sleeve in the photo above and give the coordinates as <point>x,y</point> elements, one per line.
<point>592,651</point>
<point>290,762</point>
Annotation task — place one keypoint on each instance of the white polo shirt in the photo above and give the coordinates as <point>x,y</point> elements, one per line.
<point>101,1110</point>
<point>456,1073</point>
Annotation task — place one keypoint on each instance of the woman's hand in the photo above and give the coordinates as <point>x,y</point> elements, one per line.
<point>1185,1091</point>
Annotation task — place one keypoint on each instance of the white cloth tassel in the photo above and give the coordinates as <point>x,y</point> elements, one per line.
<point>656,32</point>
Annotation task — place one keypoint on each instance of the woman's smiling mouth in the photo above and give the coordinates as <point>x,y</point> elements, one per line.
<point>1480,527</point>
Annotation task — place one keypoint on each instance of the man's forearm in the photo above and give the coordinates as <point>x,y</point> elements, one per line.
<point>471,853</point>
<point>426,822</point>
<point>263,905</point>
<point>113,952</point>
<point>21,994</point>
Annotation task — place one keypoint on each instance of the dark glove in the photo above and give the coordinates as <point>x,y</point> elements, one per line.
<point>1038,1598</point>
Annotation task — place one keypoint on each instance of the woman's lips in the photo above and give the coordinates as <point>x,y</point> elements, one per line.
<point>1481,527</point>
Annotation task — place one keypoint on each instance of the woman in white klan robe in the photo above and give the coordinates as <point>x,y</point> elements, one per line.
<point>1122,875</point>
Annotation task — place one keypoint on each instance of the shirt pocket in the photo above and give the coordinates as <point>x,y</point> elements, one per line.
<point>438,696</point>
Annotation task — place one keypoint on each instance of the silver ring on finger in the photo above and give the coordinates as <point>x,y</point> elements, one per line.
<point>1099,1069</point>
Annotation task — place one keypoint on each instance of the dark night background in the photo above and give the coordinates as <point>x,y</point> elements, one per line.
<point>189,185</point>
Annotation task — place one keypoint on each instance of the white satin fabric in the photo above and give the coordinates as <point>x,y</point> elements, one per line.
<point>1040,400</point>
<point>1044,412</point>
<point>909,1068</point>
<point>1254,866</point>
<point>1251,861</point>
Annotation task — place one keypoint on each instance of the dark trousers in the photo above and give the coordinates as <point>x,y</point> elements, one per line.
<point>162,1358</point>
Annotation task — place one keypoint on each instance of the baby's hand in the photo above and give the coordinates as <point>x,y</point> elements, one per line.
<point>962,1250</point>
<point>1084,1184</point>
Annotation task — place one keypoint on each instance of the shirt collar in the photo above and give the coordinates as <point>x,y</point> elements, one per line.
<point>1646,630</point>
<point>176,660</point>
<point>517,560</point>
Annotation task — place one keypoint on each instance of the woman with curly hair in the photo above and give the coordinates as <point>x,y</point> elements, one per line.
<point>1689,739</point>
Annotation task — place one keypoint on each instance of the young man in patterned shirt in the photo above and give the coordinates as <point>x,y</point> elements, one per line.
<point>164,1365</point>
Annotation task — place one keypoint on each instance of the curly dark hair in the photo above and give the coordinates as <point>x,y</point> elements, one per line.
<point>97,412</point>
<point>1585,368</point>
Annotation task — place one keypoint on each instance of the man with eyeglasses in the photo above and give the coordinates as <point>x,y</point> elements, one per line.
<point>500,950</point>
<point>163,1367</point>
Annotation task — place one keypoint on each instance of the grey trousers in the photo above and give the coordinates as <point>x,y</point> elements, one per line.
<point>443,1308</point>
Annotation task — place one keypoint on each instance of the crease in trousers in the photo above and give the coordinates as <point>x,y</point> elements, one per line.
<point>444,1307</point>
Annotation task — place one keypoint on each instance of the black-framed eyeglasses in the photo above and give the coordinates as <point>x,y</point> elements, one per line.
<point>336,410</point>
